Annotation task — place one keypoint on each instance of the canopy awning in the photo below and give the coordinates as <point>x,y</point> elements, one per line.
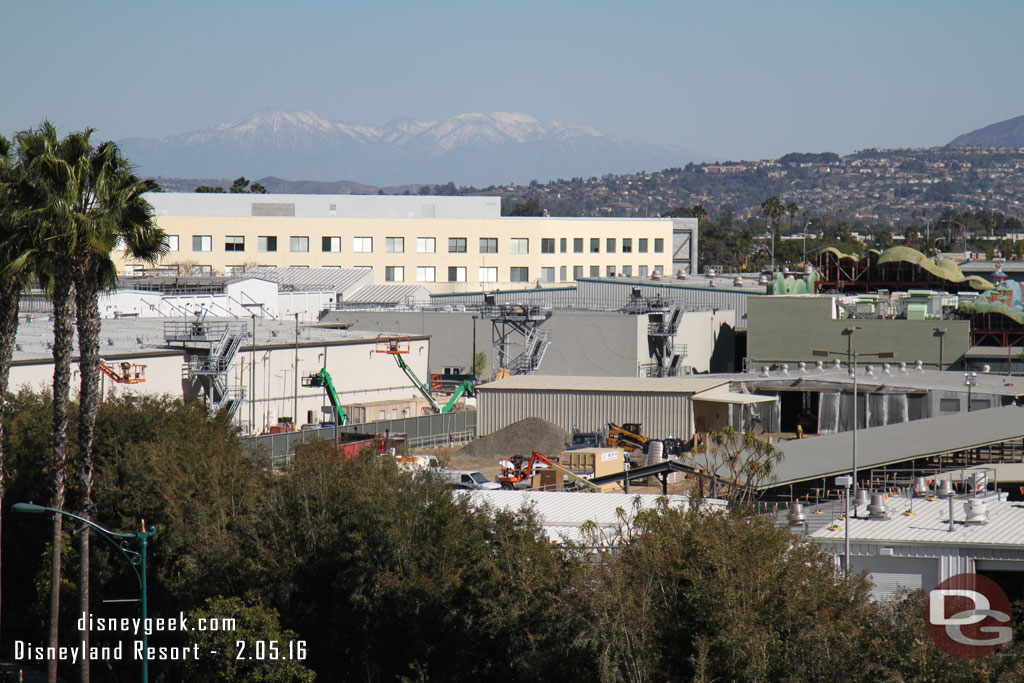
<point>735,398</point>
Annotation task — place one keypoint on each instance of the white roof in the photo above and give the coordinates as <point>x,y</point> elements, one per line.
<point>896,380</point>
<point>930,524</point>
<point>735,397</point>
<point>562,513</point>
<point>692,384</point>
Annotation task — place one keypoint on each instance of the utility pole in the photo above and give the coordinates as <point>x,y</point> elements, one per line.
<point>252,380</point>
<point>295,398</point>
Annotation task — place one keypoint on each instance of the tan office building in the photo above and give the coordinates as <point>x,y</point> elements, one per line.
<point>447,244</point>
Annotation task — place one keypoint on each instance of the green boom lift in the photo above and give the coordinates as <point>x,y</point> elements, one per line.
<point>323,379</point>
<point>397,347</point>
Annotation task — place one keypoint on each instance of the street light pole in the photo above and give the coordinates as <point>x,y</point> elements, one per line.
<point>970,379</point>
<point>137,560</point>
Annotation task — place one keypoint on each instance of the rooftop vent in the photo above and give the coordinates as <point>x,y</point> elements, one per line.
<point>764,371</point>
<point>785,368</point>
<point>796,514</point>
<point>886,369</point>
<point>763,279</point>
<point>945,489</point>
<point>869,370</point>
<point>976,511</point>
<point>920,486</point>
<point>819,365</point>
<point>878,509</point>
<point>836,364</point>
<point>737,281</point>
<point>860,498</point>
<point>903,366</point>
<point>919,365</point>
<point>986,368</point>
<point>802,366</point>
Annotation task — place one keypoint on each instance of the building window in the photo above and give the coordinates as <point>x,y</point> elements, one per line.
<point>362,245</point>
<point>171,242</point>
<point>627,245</point>
<point>563,245</point>
<point>456,273</point>
<point>488,274</point>
<point>457,245</point>
<point>659,245</point>
<point>659,270</point>
<point>949,405</point>
<point>519,274</point>
<point>426,245</point>
<point>488,245</point>
<point>627,271</point>
<point>595,271</point>
<point>641,245</point>
<point>547,274</point>
<point>562,271</point>
<point>547,245</point>
<point>609,271</point>
<point>595,245</point>
<point>298,245</point>
<point>424,273</point>
<point>394,274</point>
<point>266,243</point>
<point>641,271</point>
<point>577,245</point>
<point>520,245</point>
<point>330,244</point>
<point>202,243</point>
<point>609,246</point>
<point>234,243</point>
<point>577,272</point>
<point>394,245</point>
<point>233,270</point>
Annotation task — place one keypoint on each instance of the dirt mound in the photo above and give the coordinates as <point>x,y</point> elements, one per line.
<point>519,438</point>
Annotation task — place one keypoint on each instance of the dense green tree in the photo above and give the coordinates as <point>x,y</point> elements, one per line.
<point>530,207</point>
<point>209,189</point>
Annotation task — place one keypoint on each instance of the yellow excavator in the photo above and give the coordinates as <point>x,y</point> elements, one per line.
<point>627,436</point>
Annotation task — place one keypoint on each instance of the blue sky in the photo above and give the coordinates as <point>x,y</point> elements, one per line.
<point>732,79</point>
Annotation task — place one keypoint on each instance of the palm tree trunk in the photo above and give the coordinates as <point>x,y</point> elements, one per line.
<point>87,300</point>
<point>10,297</point>
<point>63,335</point>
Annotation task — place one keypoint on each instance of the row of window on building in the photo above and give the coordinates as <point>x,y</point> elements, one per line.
<point>428,245</point>
<point>517,273</point>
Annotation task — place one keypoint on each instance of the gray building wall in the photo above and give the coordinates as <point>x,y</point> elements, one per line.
<point>663,415</point>
<point>786,329</point>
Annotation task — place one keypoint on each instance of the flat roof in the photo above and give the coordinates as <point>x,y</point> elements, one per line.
<point>734,397</point>
<point>127,337</point>
<point>830,455</point>
<point>896,379</point>
<point>667,385</point>
<point>930,524</point>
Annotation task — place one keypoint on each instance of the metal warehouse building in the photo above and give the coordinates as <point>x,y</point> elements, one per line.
<point>667,407</point>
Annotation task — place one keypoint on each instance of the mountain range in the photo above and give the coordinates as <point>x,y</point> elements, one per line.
<point>469,149</point>
<point>1008,133</point>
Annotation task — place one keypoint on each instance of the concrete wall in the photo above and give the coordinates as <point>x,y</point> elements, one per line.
<point>595,344</point>
<point>710,340</point>
<point>788,328</point>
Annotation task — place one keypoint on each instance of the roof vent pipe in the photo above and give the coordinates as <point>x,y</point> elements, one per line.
<point>976,511</point>
<point>903,366</point>
<point>869,370</point>
<point>802,366</point>
<point>819,366</point>
<point>919,365</point>
<point>878,509</point>
<point>945,489</point>
<point>837,365</point>
<point>886,369</point>
<point>860,497</point>
<point>785,368</point>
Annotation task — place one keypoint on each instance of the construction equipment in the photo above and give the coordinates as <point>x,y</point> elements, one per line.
<point>323,379</point>
<point>124,373</point>
<point>514,471</point>
<point>627,436</point>
<point>398,347</point>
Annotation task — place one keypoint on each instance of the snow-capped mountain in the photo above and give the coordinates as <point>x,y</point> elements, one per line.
<point>477,149</point>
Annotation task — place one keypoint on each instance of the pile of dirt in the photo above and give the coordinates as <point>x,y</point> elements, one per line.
<point>519,438</point>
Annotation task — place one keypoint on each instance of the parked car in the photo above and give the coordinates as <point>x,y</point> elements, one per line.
<point>467,480</point>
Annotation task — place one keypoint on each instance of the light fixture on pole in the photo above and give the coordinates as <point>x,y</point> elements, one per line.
<point>851,353</point>
<point>137,560</point>
<point>970,380</point>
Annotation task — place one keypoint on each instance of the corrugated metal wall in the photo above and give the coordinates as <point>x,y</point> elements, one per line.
<point>662,415</point>
<point>696,298</point>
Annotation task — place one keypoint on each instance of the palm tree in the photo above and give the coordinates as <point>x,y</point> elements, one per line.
<point>793,210</point>
<point>113,210</point>
<point>700,213</point>
<point>773,210</point>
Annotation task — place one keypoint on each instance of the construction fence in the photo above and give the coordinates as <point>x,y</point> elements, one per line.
<point>420,432</point>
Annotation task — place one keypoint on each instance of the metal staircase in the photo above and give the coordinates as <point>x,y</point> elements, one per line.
<point>661,333</point>
<point>537,342</point>
<point>210,349</point>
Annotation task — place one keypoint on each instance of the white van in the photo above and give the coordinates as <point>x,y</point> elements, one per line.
<point>467,480</point>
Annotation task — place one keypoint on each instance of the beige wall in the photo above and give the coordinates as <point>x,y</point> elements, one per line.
<point>184,228</point>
